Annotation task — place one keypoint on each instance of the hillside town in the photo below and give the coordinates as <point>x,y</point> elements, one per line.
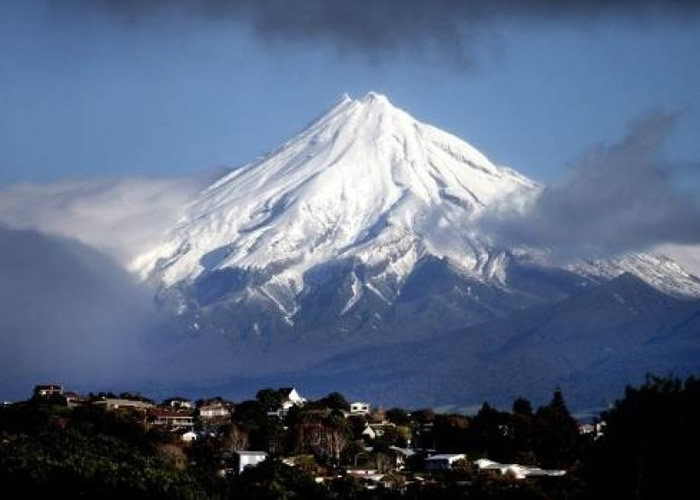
<point>330,442</point>
<point>385,445</point>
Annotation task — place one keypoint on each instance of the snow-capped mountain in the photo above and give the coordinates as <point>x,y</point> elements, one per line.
<point>364,219</point>
<point>659,271</point>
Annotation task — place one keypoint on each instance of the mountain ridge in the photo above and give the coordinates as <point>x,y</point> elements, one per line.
<point>350,213</point>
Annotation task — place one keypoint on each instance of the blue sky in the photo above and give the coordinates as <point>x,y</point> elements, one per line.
<point>89,95</point>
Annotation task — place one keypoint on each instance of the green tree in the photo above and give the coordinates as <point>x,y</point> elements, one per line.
<point>522,406</point>
<point>336,401</point>
<point>649,445</point>
<point>398,416</point>
<point>558,440</point>
<point>270,399</point>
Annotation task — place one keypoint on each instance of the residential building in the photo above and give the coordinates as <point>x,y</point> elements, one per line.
<point>368,432</point>
<point>359,408</point>
<point>245,459</point>
<point>170,418</point>
<point>443,461</point>
<point>401,455</point>
<point>74,399</point>
<point>516,470</point>
<point>188,436</point>
<point>291,398</point>
<point>179,402</point>
<point>593,429</point>
<point>46,390</point>
<point>215,410</point>
<point>120,404</point>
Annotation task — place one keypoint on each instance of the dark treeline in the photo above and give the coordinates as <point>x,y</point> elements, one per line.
<point>648,449</point>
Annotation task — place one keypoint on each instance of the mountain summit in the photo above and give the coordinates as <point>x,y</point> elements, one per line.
<point>347,226</point>
<point>366,180</point>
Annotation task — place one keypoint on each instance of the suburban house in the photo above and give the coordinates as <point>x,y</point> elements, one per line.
<point>443,461</point>
<point>516,470</point>
<point>179,402</point>
<point>214,410</point>
<point>359,408</point>
<point>368,432</point>
<point>245,459</point>
<point>593,429</point>
<point>74,399</point>
<point>289,399</point>
<point>401,455</point>
<point>120,404</point>
<point>170,418</point>
<point>188,436</point>
<point>373,431</point>
<point>46,390</point>
<point>292,398</point>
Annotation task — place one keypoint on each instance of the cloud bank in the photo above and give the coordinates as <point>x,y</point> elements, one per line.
<point>70,314</point>
<point>623,197</point>
<point>122,217</point>
<point>67,313</point>
<point>442,30</point>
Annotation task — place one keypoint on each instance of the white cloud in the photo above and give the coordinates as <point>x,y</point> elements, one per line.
<point>687,256</point>
<point>123,217</point>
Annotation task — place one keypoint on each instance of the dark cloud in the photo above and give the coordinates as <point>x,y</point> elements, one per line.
<point>622,197</point>
<point>67,313</point>
<point>70,314</point>
<point>449,29</point>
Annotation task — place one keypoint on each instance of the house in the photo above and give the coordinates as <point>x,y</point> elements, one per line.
<point>245,459</point>
<point>214,410</point>
<point>516,470</point>
<point>594,430</point>
<point>188,436</point>
<point>120,404</point>
<point>291,398</point>
<point>373,431</point>
<point>170,418</point>
<point>443,461</point>
<point>368,432</point>
<point>359,408</point>
<point>47,390</point>
<point>179,402</point>
<point>401,455</point>
<point>74,399</point>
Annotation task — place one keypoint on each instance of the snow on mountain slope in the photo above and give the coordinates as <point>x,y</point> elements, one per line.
<point>366,185</point>
<point>366,180</point>
<point>657,270</point>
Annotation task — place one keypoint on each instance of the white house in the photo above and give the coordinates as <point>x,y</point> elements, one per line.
<point>369,432</point>
<point>443,461</point>
<point>188,436</point>
<point>179,402</point>
<point>74,399</point>
<point>248,459</point>
<point>516,470</point>
<point>216,410</point>
<point>359,408</point>
<point>595,429</point>
<point>291,398</point>
<point>46,390</point>
<point>118,403</point>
